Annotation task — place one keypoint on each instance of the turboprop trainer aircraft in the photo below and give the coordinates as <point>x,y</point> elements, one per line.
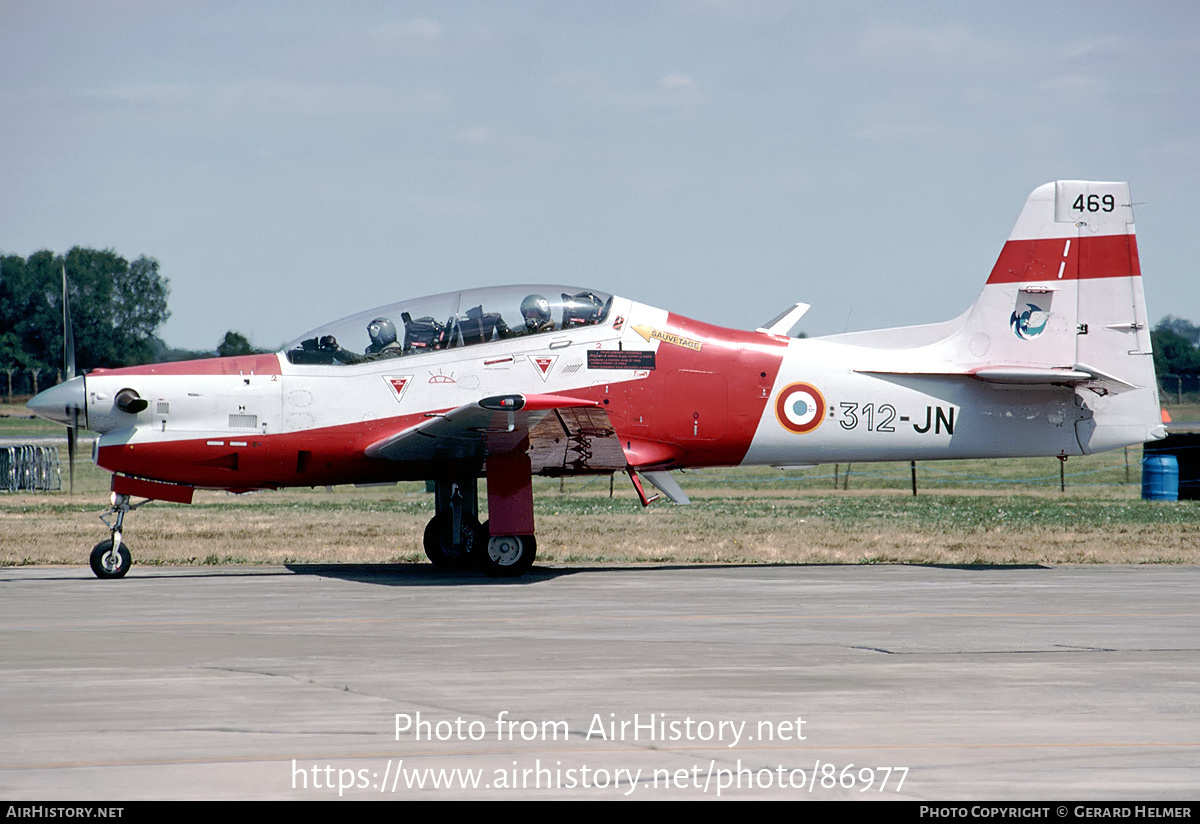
<point>506,383</point>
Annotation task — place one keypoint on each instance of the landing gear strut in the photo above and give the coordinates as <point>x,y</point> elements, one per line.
<point>111,558</point>
<point>451,534</point>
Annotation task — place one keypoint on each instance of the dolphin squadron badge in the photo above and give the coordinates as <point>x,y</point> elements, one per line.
<point>1029,324</point>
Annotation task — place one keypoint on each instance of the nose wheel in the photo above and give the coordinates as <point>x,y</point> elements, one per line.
<point>109,561</point>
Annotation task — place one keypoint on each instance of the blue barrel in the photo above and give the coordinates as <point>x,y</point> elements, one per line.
<point>1160,478</point>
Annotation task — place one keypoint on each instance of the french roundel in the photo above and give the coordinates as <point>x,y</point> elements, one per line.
<point>800,408</point>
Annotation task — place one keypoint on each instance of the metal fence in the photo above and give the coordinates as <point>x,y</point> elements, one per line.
<point>1179,388</point>
<point>29,467</point>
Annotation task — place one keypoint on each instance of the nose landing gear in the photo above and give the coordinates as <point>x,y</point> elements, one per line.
<point>111,558</point>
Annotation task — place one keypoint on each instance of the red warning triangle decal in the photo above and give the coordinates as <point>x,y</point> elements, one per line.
<point>398,384</point>
<point>544,364</point>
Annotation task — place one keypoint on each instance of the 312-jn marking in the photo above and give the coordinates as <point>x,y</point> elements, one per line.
<point>881,418</point>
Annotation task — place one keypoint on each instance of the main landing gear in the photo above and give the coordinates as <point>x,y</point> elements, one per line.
<point>451,534</point>
<point>502,546</point>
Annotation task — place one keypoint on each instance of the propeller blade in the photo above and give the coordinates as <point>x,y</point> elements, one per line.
<point>72,434</point>
<point>68,332</point>
<point>68,373</point>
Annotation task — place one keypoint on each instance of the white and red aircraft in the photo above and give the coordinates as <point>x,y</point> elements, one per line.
<point>507,383</point>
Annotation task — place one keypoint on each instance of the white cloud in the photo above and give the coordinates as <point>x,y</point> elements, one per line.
<point>445,207</point>
<point>672,91</point>
<point>736,10</point>
<point>476,136</point>
<point>905,44</point>
<point>1101,48</point>
<point>146,94</point>
<point>407,31</point>
<point>676,81</point>
<point>416,38</point>
<point>892,132</point>
<point>1077,88</point>
<point>269,97</point>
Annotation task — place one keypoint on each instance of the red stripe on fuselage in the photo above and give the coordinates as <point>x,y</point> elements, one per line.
<point>1104,256</point>
<point>237,365</point>
<point>317,457</point>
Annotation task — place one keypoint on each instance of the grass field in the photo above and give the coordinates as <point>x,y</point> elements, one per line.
<point>967,512</point>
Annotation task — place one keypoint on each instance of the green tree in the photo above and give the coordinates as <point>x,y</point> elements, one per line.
<point>235,343</point>
<point>1175,351</point>
<point>115,307</point>
<point>139,307</point>
<point>1183,328</point>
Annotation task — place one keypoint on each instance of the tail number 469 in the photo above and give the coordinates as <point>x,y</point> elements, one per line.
<point>1094,203</point>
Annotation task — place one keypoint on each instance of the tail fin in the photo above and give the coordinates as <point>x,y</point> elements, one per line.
<point>1064,305</point>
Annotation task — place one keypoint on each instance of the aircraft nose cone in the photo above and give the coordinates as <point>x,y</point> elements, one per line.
<point>59,402</point>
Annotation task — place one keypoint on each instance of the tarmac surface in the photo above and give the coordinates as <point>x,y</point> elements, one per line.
<point>822,682</point>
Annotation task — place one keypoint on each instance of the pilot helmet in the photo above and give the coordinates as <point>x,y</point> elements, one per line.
<point>536,311</point>
<point>382,332</point>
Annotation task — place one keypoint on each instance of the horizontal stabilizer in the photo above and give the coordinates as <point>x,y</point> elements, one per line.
<point>1079,375</point>
<point>782,324</point>
<point>1029,375</point>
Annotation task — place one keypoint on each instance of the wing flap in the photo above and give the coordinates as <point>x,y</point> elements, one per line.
<point>575,440</point>
<point>563,435</point>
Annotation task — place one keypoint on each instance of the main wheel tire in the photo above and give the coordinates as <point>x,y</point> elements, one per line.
<point>505,556</point>
<point>439,547</point>
<point>102,562</point>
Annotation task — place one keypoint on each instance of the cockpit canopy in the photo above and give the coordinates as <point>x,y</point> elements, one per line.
<point>450,320</point>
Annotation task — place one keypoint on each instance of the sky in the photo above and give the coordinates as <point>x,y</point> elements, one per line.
<point>292,163</point>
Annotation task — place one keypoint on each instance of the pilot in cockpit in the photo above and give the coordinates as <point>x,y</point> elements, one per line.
<point>383,340</point>
<point>536,311</point>
<point>384,344</point>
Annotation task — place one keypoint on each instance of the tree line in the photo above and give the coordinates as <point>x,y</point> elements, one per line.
<point>117,307</point>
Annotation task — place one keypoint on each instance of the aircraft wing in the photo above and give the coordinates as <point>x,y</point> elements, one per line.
<point>562,435</point>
